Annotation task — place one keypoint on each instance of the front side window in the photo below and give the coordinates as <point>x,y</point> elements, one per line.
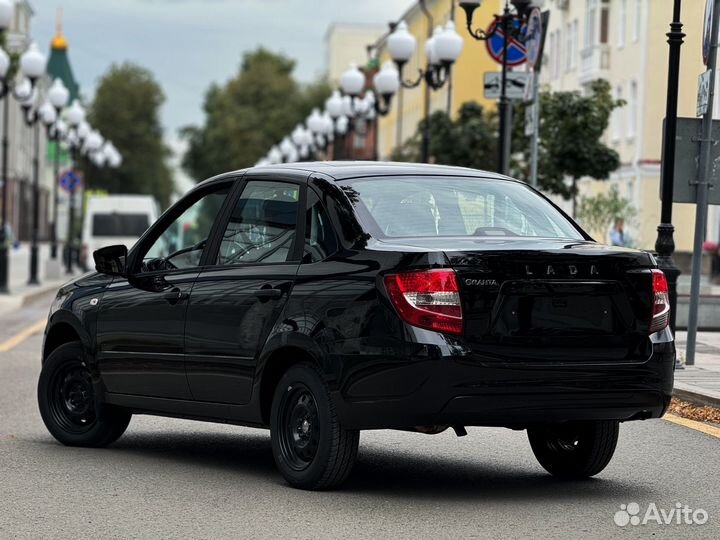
<point>320,239</point>
<point>470,207</point>
<point>182,242</point>
<point>262,225</point>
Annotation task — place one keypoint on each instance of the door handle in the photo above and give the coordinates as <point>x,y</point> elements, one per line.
<point>267,293</point>
<point>175,295</point>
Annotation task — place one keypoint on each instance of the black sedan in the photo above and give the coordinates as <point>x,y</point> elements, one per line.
<point>321,299</point>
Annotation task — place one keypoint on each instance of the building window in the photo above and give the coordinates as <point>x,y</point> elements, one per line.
<point>616,116</point>
<point>637,17</point>
<point>622,14</point>
<point>568,47</point>
<point>590,22</point>
<point>558,54</point>
<point>632,110</point>
<point>605,21</point>
<point>575,42</point>
<point>553,55</point>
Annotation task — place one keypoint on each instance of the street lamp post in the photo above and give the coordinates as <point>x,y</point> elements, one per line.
<point>58,96</point>
<point>7,12</point>
<point>442,48</point>
<point>506,24</point>
<point>366,108</point>
<point>75,117</point>
<point>32,65</point>
<point>664,244</point>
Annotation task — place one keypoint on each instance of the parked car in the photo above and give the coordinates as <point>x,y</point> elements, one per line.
<point>322,299</point>
<point>115,219</point>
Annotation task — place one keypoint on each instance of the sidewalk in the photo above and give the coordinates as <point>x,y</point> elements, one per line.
<point>699,383</point>
<point>20,292</point>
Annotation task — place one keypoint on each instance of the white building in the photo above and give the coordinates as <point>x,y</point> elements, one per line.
<point>624,42</point>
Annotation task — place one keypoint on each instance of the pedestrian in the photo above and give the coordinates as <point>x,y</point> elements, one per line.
<point>617,233</point>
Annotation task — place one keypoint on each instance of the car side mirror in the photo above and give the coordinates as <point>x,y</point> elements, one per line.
<point>111,260</point>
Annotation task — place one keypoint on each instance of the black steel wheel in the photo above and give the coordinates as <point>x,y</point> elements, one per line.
<point>312,449</point>
<point>300,434</point>
<point>68,404</point>
<point>72,399</point>
<point>575,450</point>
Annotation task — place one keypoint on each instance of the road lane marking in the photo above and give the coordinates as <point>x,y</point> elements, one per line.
<point>693,424</point>
<point>21,336</point>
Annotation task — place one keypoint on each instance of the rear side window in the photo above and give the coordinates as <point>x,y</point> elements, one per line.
<point>262,225</point>
<point>320,239</point>
<point>117,225</point>
<point>447,206</point>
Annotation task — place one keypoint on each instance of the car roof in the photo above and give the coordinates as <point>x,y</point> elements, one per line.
<point>344,170</point>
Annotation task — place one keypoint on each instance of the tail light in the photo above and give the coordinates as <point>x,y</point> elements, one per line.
<point>428,299</point>
<point>661,302</point>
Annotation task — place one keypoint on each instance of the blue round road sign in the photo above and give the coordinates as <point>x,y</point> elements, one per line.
<point>69,180</point>
<point>515,50</point>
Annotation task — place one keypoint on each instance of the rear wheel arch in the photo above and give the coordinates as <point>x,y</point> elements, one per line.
<point>274,367</point>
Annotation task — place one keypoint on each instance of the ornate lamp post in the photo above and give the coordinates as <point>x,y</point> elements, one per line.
<point>32,65</point>
<point>665,244</point>
<point>504,23</point>
<point>58,97</point>
<point>76,117</point>
<point>360,103</point>
<point>442,48</point>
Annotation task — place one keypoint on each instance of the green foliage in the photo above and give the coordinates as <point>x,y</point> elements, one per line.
<point>598,213</point>
<point>468,141</point>
<point>248,114</point>
<point>125,110</point>
<point>571,129</point>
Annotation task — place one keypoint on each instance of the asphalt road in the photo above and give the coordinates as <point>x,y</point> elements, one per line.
<point>180,479</point>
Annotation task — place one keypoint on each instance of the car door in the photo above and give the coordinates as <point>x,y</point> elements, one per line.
<point>241,292</point>
<point>141,319</point>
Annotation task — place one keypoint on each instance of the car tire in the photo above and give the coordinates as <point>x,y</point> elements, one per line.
<point>68,405</point>
<point>575,450</point>
<point>312,449</point>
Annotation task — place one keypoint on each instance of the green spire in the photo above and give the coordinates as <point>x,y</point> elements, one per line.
<point>58,66</point>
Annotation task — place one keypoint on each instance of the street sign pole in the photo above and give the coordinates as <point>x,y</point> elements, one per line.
<point>504,105</point>
<point>701,209</point>
<point>535,45</point>
<point>536,131</point>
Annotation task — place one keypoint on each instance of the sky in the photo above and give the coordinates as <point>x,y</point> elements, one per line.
<point>188,44</point>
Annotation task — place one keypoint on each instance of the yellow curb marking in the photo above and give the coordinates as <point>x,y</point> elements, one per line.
<point>693,424</point>
<point>21,336</point>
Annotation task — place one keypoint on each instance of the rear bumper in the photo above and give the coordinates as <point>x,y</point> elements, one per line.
<point>460,390</point>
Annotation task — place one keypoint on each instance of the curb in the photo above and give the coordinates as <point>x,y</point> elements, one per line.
<point>13,302</point>
<point>696,395</point>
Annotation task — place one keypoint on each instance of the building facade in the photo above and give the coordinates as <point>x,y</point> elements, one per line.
<point>624,42</point>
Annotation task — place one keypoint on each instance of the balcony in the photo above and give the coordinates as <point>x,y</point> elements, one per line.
<point>594,63</point>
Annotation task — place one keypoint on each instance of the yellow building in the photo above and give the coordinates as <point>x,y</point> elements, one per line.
<point>624,42</point>
<point>466,82</point>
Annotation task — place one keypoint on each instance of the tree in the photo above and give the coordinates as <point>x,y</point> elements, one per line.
<point>598,213</point>
<point>125,110</point>
<point>468,141</point>
<point>248,114</point>
<point>571,130</point>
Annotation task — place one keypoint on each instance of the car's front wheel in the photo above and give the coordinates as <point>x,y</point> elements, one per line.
<point>312,449</point>
<point>68,407</point>
<point>576,449</point>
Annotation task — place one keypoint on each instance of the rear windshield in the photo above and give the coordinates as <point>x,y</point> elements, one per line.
<point>116,224</point>
<point>445,206</point>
